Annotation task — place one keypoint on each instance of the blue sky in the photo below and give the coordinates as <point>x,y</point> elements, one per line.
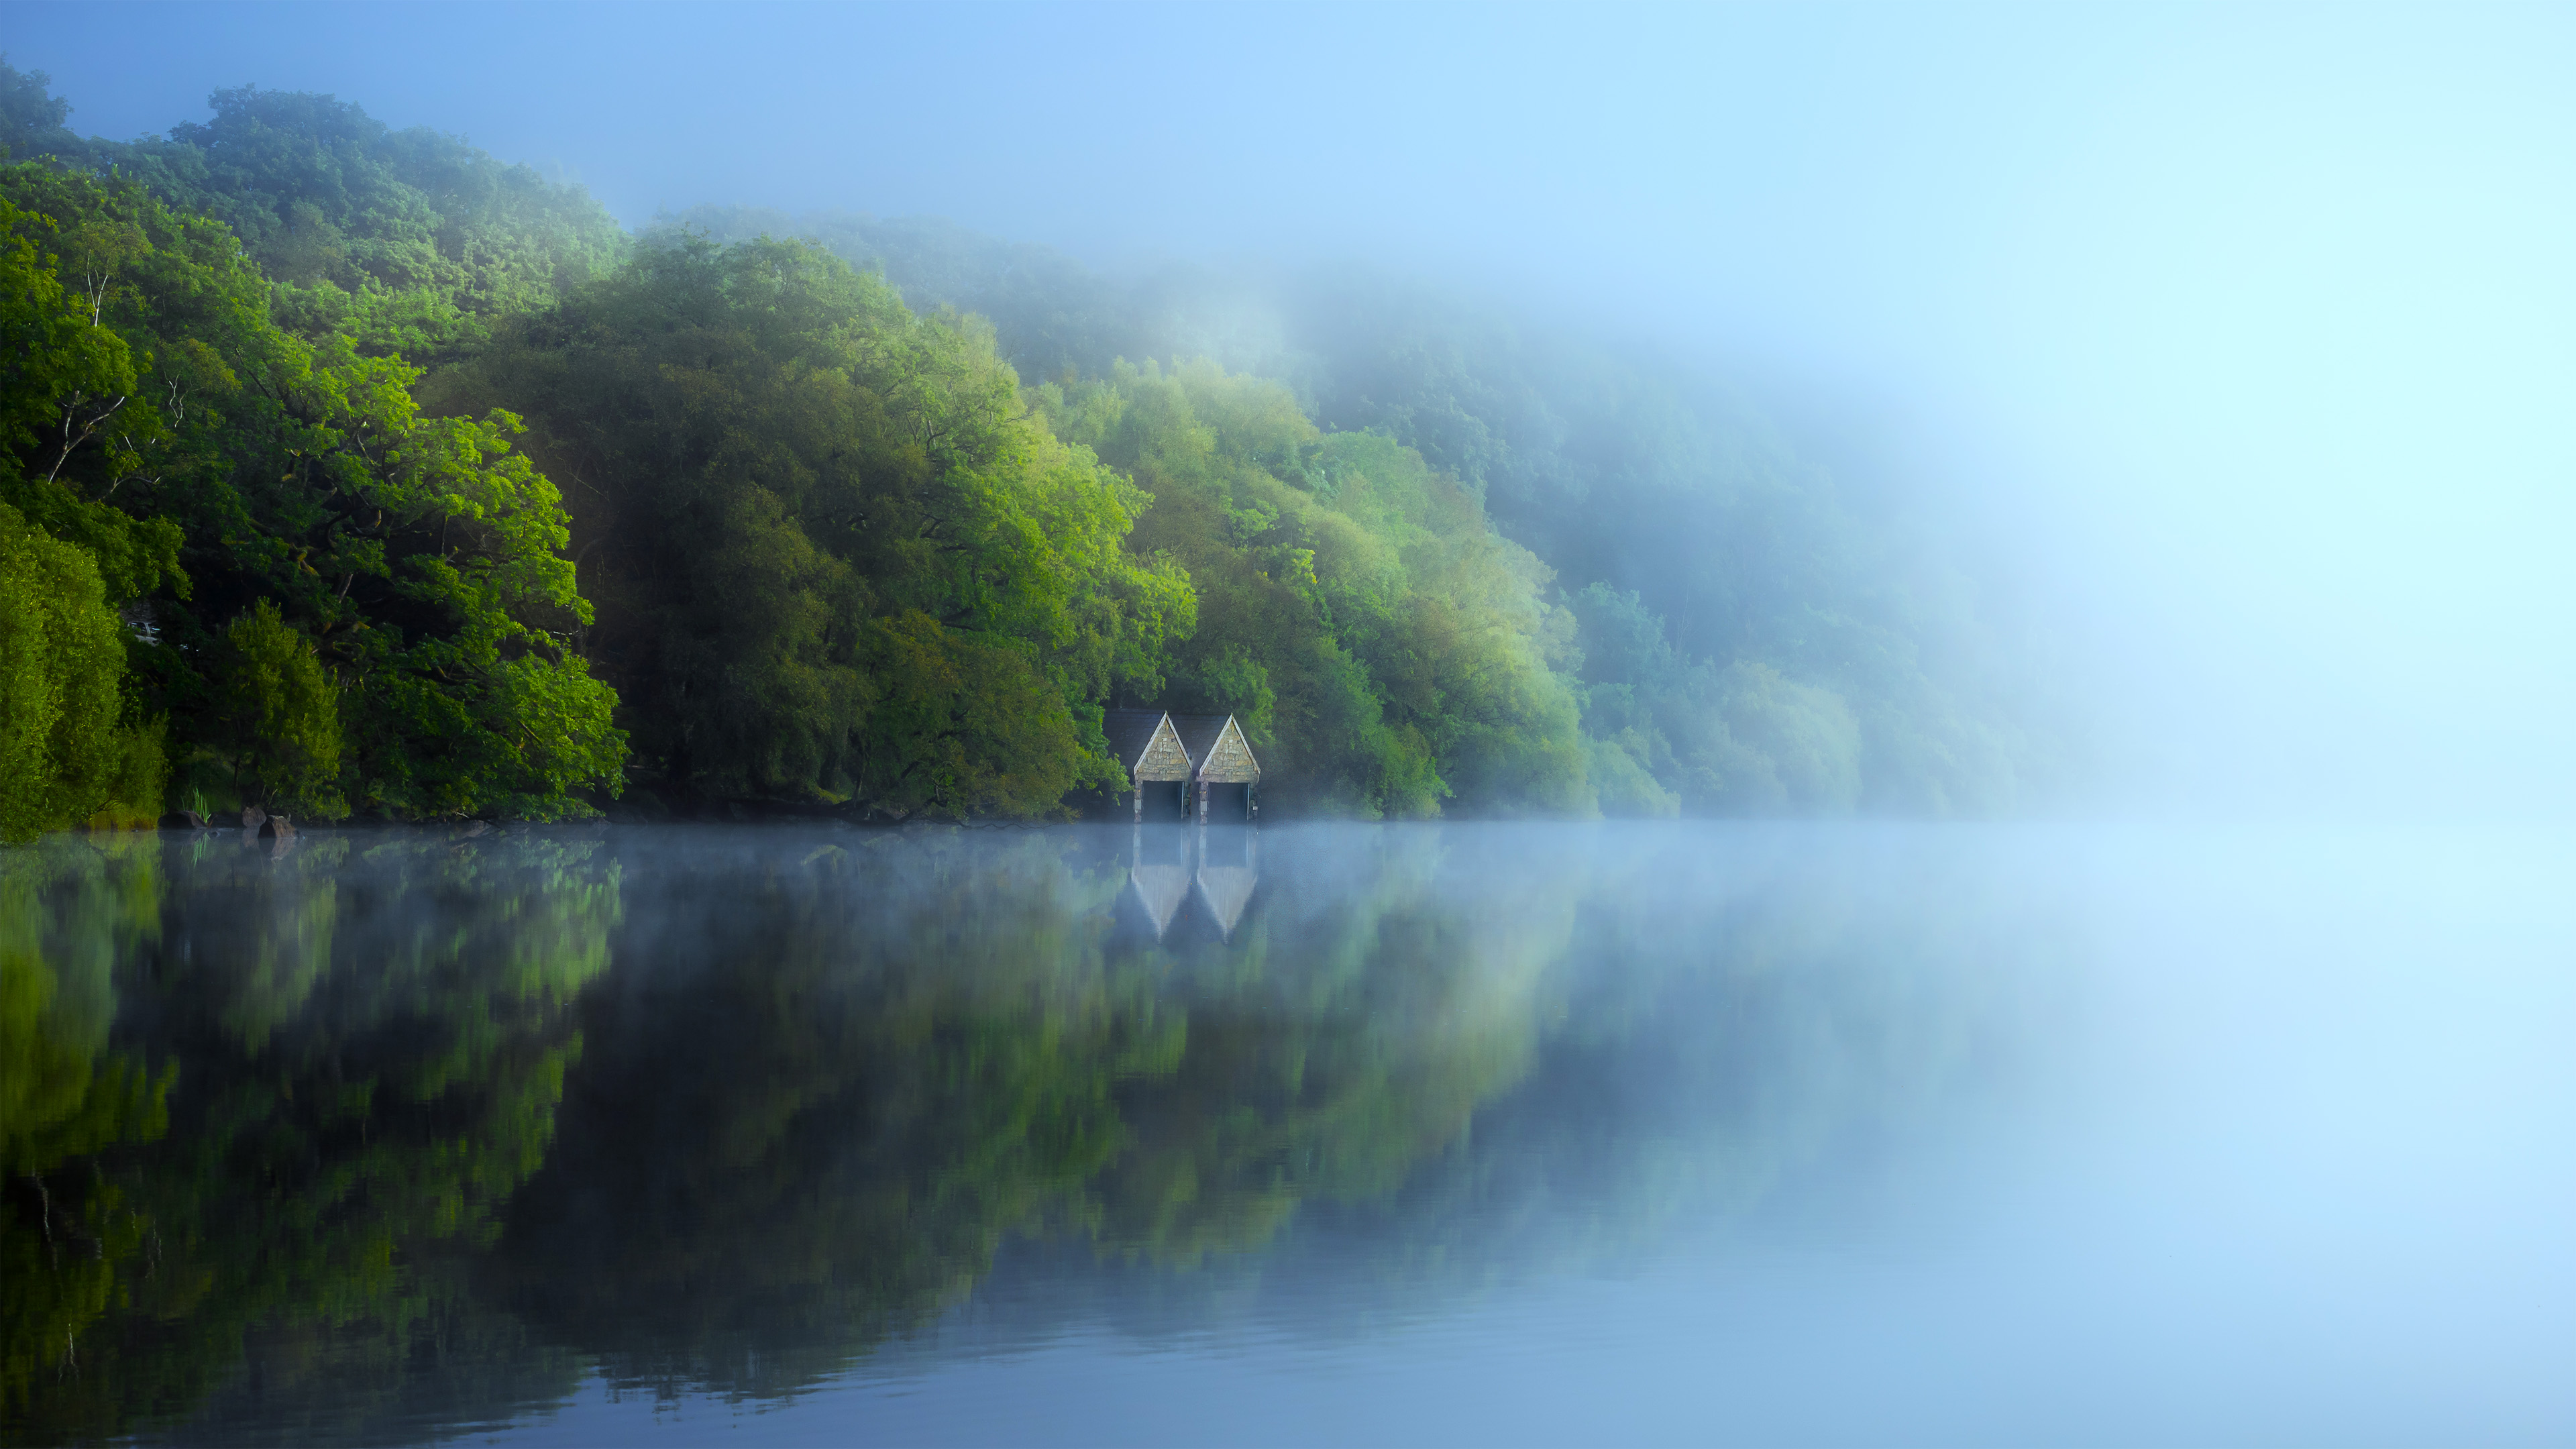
<point>2249,328</point>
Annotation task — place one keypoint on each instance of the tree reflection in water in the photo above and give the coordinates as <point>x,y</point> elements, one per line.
<point>452,1123</point>
<point>364,1043</point>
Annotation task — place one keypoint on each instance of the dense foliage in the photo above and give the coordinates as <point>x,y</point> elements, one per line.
<point>1615,466</point>
<point>1384,649</point>
<point>297,385</point>
<point>61,752</point>
<point>834,553</point>
<point>334,598</point>
<point>404,241</point>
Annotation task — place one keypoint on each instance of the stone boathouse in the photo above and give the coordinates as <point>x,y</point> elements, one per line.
<point>1221,763</point>
<point>1205,751</point>
<point>1149,749</point>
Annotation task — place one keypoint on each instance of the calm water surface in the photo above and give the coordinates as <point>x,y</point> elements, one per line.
<point>1352,1134</point>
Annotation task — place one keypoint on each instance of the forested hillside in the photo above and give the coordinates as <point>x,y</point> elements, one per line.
<point>1616,466</point>
<point>353,471</point>
<point>243,566</point>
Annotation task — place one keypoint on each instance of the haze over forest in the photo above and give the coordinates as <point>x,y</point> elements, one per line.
<point>1839,413</point>
<point>2146,428</point>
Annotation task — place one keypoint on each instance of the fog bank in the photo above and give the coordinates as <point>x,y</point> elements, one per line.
<point>2238,337</point>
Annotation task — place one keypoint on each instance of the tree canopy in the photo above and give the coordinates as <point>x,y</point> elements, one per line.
<point>409,242</point>
<point>1614,464</point>
<point>882,519</point>
<point>836,555</point>
<point>215,469</point>
<point>1386,651</point>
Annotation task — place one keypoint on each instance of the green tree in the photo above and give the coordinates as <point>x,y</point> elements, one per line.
<point>62,756</point>
<point>408,242</point>
<point>779,404</point>
<point>1742,740</point>
<point>32,117</point>
<point>1385,647</point>
<point>69,389</point>
<point>281,714</point>
<point>1615,464</point>
<point>835,555</point>
<point>419,555</point>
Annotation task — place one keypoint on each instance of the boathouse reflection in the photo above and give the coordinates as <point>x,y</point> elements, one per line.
<point>1217,867</point>
<point>1229,867</point>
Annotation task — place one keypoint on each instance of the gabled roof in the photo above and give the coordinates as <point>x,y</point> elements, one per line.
<point>1130,732</point>
<point>1201,733</point>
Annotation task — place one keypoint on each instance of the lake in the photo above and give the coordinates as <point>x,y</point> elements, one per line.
<point>1697,1133</point>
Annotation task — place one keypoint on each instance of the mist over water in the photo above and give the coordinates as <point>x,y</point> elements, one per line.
<point>1523,1133</point>
<point>2134,440</point>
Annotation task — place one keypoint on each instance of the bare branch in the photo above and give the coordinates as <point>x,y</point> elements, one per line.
<point>71,443</point>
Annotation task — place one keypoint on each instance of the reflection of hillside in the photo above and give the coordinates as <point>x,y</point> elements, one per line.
<point>67,1238</point>
<point>838,1107</point>
<point>1740,1026</point>
<point>1350,1032</point>
<point>371,1044</point>
<point>727,1110</point>
<point>808,1122</point>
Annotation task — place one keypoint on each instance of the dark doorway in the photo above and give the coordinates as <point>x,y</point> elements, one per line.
<point>1165,801</point>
